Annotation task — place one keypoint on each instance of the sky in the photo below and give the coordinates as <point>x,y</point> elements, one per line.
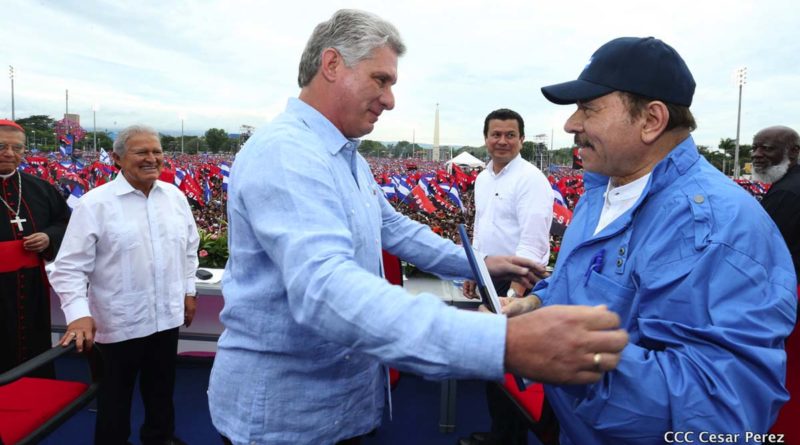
<point>223,64</point>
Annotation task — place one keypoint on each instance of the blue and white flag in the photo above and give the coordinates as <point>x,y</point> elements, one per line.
<point>453,194</point>
<point>426,187</point>
<point>179,175</point>
<point>389,191</point>
<point>105,158</point>
<point>401,187</point>
<point>206,191</point>
<point>74,195</point>
<point>226,172</point>
<point>559,199</point>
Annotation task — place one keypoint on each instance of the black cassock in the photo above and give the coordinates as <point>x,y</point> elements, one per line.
<point>25,294</point>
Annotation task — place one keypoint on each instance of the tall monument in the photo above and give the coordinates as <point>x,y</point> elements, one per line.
<point>435,152</point>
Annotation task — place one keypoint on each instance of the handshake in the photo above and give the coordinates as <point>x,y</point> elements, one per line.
<point>554,344</point>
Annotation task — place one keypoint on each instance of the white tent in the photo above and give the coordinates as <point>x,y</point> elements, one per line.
<point>466,159</point>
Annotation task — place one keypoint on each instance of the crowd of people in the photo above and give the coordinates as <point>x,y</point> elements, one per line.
<point>206,190</point>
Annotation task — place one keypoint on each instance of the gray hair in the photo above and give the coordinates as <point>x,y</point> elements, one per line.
<point>355,34</point>
<point>129,132</point>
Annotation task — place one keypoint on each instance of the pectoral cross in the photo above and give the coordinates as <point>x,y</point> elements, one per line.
<point>18,221</point>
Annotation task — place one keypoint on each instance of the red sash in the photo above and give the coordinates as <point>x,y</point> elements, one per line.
<point>14,257</point>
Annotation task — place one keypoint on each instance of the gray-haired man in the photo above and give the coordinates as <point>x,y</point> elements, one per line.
<point>308,318</point>
<point>134,242</point>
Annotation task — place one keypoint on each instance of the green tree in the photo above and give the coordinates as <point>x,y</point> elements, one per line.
<point>479,152</point>
<point>527,150</point>
<point>104,141</point>
<point>562,156</point>
<point>170,143</point>
<point>371,148</point>
<point>38,130</point>
<point>217,139</point>
<point>745,153</point>
<point>403,149</point>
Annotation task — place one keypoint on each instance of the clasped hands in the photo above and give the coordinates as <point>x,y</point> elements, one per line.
<point>554,344</point>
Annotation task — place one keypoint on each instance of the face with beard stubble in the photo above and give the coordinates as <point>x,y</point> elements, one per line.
<point>608,137</point>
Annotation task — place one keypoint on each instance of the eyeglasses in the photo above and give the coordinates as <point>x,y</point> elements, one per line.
<point>16,148</point>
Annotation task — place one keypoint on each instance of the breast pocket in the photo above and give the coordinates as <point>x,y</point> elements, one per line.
<point>618,297</point>
<point>504,209</point>
<point>125,237</point>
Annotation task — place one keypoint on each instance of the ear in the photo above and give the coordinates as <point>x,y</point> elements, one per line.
<point>656,117</point>
<point>331,62</point>
<point>116,158</point>
<point>794,150</point>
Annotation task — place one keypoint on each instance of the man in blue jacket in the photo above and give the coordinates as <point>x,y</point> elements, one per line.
<point>695,268</point>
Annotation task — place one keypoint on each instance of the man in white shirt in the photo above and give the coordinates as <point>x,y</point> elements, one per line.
<point>513,213</point>
<point>513,199</point>
<point>126,278</point>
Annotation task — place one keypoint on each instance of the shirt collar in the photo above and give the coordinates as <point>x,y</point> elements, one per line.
<point>628,191</point>
<point>508,167</point>
<point>331,137</point>
<point>122,186</point>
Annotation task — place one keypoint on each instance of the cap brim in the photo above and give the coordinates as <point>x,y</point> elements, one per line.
<point>570,92</point>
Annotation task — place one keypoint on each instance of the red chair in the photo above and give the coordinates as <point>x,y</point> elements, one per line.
<point>393,271</point>
<point>787,423</point>
<point>532,406</point>
<point>32,408</point>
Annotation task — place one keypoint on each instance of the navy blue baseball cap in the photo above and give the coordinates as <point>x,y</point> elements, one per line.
<point>644,66</point>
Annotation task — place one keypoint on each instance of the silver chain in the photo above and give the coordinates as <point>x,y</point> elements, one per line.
<point>19,197</point>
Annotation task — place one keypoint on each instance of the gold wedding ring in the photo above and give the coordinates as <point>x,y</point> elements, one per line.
<point>597,358</point>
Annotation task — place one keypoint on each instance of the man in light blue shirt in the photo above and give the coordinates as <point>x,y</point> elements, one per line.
<point>308,319</point>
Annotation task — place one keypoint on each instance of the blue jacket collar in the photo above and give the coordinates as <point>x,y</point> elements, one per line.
<point>676,164</point>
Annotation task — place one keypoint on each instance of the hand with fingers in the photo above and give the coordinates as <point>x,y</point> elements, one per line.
<point>564,344</point>
<point>469,290</point>
<point>513,306</point>
<point>518,269</point>
<point>81,331</point>
<point>36,242</point>
<point>189,309</point>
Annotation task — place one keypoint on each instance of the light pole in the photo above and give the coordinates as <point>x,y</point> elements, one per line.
<point>11,75</point>
<point>741,79</point>
<point>34,138</point>
<point>182,117</point>
<point>724,155</point>
<point>94,124</point>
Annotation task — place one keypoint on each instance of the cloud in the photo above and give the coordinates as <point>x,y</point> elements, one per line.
<point>227,63</point>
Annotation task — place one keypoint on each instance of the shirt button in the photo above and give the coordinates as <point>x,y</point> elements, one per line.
<point>622,251</point>
<point>699,199</point>
<point>619,262</point>
<point>347,357</point>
